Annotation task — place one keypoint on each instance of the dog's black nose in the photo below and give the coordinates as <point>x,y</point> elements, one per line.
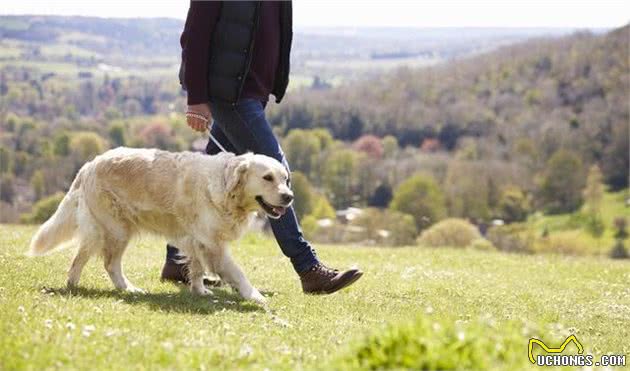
<point>287,197</point>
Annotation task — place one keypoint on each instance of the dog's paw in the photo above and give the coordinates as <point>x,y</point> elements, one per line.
<point>134,290</point>
<point>257,297</point>
<point>201,291</point>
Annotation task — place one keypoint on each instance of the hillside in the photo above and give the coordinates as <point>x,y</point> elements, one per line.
<point>479,310</point>
<point>537,96</point>
<point>517,127</point>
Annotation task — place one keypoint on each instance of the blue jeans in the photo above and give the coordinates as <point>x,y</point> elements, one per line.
<point>244,128</point>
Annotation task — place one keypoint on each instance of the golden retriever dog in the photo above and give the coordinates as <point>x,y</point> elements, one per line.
<point>198,202</point>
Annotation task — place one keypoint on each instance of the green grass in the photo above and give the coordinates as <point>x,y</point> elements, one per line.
<point>613,206</point>
<point>496,299</point>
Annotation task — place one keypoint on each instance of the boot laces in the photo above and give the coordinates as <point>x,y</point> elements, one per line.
<point>325,271</point>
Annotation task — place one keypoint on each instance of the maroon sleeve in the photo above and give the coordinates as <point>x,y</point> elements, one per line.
<point>195,42</point>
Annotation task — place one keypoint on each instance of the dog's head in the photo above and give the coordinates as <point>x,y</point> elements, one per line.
<point>258,182</point>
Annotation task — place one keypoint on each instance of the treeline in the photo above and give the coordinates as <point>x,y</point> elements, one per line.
<point>497,136</point>
<point>519,104</point>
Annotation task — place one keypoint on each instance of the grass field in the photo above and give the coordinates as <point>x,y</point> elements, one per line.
<point>495,295</point>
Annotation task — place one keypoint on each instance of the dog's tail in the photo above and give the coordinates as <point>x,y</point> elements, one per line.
<point>62,226</point>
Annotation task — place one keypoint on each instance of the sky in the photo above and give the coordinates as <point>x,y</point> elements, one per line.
<point>372,13</point>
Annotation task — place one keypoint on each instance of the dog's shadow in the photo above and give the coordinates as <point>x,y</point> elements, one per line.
<point>181,302</point>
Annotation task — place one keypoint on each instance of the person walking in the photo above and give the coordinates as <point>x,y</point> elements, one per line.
<point>235,54</point>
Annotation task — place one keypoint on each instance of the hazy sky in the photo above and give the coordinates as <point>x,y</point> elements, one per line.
<point>357,13</point>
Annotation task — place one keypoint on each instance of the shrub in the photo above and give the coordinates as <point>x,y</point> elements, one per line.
<point>420,197</point>
<point>482,244</point>
<point>309,226</point>
<point>619,251</point>
<point>595,226</point>
<point>450,232</point>
<point>43,209</point>
<point>335,233</point>
<point>321,209</point>
<point>386,227</point>
<point>511,238</point>
<point>563,242</point>
<point>427,344</point>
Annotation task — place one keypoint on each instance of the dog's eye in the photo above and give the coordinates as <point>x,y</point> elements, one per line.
<point>268,178</point>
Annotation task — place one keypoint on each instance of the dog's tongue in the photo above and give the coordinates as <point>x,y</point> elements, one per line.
<point>280,210</point>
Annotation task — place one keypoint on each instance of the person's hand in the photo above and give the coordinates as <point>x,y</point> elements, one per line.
<point>198,116</point>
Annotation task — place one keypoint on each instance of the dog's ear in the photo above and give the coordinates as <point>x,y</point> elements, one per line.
<point>235,172</point>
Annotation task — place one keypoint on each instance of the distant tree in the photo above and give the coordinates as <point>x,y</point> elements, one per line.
<point>619,250</point>
<point>322,208</point>
<point>62,145</point>
<point>381,197</point>
<point>390,146</point>
<point>562,183</point>
<point>367,178</point>
<point>420,197</point>
<point>303,192</point>
<point>38,184</point>
<point>324,137</point>
<point>370,145</point>
<point>468,188</point>
<point>448,136</point>
<point>513,205</point>
<point>86,145</point>
<point>616,161</point>
<point>594,191</point>
<point>43,209</point>
<point>6,161</point>
<point>158,135</point>
<point>302,149</point>
<point>21,163</point>
<point>339,175</point>
<point>117,135</point>
<point>593,194</point>
<point>12,121</point>
<point>7,188</point>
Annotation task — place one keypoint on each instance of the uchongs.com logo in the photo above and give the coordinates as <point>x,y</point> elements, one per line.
<point>558,356</point>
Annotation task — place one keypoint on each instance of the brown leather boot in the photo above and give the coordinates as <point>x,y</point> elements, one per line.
<point>323,280</point>
<point>175,272</point>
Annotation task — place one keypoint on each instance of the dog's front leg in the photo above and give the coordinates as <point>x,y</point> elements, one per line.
<point>233,275</point>
<point>195,275</point>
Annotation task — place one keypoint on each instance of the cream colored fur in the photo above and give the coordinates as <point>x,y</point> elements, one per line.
<point>198,202</point>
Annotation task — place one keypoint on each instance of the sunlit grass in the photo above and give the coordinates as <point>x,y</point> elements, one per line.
<point>45,326</point>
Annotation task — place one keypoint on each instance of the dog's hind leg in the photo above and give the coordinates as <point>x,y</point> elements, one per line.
<point>83,255</point>
<point>112,260</point>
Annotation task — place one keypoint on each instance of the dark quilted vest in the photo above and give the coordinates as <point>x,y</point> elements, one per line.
<point>231,50</point>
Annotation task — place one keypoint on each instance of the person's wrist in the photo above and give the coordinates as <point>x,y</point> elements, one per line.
<point>202,109</point>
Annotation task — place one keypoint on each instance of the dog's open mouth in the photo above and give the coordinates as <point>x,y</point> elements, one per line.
<point>272,211</point>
